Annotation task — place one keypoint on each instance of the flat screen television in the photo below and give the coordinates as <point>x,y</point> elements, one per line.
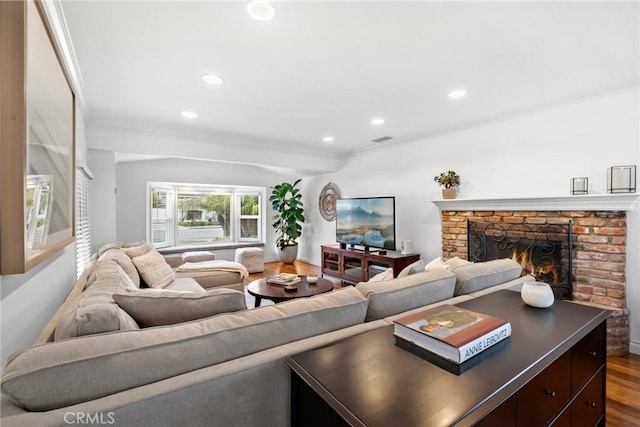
<point>368,222</point>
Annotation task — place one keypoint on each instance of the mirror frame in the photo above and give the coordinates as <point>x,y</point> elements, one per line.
<point>23,160</point>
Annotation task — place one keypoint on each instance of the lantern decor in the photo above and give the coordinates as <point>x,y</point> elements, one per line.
<point>621,179</point>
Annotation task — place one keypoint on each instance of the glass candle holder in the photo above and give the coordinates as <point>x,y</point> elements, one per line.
<point>580,185</point>
<point>621,179</point>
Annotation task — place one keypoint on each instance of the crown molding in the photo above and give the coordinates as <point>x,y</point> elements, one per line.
<point>595,202</point>
<point>60,33</point>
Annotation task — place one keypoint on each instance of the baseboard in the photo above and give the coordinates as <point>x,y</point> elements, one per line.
<point>634,347</point>
<point>308,261</point>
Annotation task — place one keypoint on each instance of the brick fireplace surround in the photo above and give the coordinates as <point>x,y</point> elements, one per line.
<point>599,244</point>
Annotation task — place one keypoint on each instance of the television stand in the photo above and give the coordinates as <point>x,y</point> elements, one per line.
<point>356,265</point>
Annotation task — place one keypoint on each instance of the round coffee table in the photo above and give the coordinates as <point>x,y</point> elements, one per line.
<point>276,293</point>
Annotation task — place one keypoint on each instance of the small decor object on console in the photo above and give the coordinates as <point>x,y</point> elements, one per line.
<point>537,294</point>
<point>621,179</point>
<point>580,185</point>
<point>450,180</point>
<point>451,332</point>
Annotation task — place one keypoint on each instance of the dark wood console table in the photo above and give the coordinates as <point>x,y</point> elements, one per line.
<point>355,266</point>
<point>551,371</point>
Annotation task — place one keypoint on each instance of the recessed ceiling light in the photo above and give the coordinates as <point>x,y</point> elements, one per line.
<point>261,10</point>
<point>328,139</point>
<point>458,93</point>
<point>189,114</point>
<point>211,79</point>
<point>377,121</point>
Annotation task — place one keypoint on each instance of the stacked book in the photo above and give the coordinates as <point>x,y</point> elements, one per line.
<point>283,279</point>
<point>450,332</point>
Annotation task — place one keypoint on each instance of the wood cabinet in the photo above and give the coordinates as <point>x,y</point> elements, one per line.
<point>353,266</point>
<point>551,371</point>
<point>569,392</point>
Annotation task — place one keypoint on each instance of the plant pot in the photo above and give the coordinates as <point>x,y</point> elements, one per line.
<point>288,254</point>
<point>448,193</point>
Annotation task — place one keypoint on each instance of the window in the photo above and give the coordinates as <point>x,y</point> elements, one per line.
<point>197,215</point>
<point>83,223</point>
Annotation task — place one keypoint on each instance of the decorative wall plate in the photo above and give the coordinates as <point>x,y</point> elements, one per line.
<point>327,201</point>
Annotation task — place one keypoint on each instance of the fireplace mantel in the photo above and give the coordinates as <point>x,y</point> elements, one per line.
<point>595,202</point>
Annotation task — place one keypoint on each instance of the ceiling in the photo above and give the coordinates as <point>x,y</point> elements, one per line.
<point>328,67</point>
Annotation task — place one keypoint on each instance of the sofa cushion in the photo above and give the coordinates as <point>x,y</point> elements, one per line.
<point>198,256</point>
<point>184,284</point>
<point>153,269</point>
<point>399,295</point>
<point>94,311</point>
<point>413,268</point>
<point>157,307</point>
<point>124,262</point>
<point>480,275</point>
<point>437,264</point>
<point>136,358</point>
<point>456,262</point>
<point>134,251</point>
<point>381,277</point>
<point>110,245</point>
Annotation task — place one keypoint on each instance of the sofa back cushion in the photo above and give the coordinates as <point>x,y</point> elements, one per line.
<point>416,290</point>
<point>94,311</point>
<point>111,363</point>
<point>124,262</point>
<point>158,307</point>
<point>481,275</point>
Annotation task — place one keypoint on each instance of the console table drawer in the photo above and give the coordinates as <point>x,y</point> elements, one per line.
<point>587,356</point>
<point>544,396</point>
<point>588,407</point>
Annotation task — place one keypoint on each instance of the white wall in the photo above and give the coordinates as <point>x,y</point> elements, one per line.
<point>532,155</point>
<point>28,301</point>
<point>103,197</point>
<point>132,179</point>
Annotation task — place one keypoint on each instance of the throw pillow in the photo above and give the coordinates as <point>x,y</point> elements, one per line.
<point>436,264</point>
<point>381,277</point>
<point>416,267</point>
<point>198,256</point>
<point>124,262</point>
<point>139,250</point>
<point>157,307</point>
<point>456,262</point>
<point>153,269</point>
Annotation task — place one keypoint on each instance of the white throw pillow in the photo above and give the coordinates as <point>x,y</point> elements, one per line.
<point>153,269</point>
<point>437,264</point>
<point>381,277</point>
<point>456,262</point>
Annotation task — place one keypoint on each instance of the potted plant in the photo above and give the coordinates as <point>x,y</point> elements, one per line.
<point>286,202</point>
<point>450,180</point>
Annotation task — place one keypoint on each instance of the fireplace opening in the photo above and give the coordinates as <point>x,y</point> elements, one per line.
<point>544,252</point>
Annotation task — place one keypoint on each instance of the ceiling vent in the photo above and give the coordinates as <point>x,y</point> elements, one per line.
<point>383,139</point>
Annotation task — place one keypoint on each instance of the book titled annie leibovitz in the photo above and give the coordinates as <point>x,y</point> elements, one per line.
<point>452,332</point>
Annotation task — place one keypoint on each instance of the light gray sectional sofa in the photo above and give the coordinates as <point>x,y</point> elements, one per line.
<point>225,370</point>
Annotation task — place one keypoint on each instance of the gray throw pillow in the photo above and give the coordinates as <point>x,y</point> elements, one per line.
<point>157,307</point>
<point>417,267</point>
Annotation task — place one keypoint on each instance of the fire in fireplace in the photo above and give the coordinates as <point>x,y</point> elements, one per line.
<point>544,252</point>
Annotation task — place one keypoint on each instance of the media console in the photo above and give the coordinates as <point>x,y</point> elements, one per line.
<point>551,371</point>
<point>353,266</point>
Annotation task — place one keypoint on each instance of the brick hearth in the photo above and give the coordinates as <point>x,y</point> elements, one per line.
<point>598,263</point>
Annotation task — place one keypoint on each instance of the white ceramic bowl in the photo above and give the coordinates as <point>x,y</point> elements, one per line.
<point>312,279</point>
<point>537,294</point>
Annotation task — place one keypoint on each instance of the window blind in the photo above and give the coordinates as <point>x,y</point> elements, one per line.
<point>83,220</point>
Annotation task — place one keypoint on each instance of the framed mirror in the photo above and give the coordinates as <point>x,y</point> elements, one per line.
<point>37,154</point>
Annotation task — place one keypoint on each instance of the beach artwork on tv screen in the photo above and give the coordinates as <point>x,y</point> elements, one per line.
<point>368,222</point>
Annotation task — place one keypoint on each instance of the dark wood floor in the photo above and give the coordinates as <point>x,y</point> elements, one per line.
<point>623,373</point>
